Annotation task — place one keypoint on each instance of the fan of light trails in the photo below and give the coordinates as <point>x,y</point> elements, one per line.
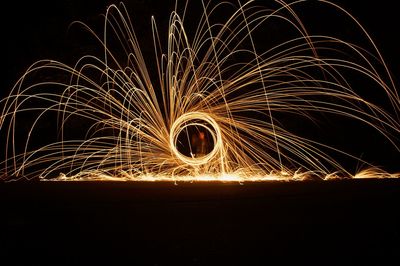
<point>212,113</point>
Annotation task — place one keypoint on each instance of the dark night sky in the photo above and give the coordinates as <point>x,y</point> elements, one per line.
<point>39,29</point>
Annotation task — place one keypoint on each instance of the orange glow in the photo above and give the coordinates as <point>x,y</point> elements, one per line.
<point>215,81</point>
<point>240,177</point>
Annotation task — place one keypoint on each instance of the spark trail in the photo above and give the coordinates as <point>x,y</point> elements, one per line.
<point>216,110</point>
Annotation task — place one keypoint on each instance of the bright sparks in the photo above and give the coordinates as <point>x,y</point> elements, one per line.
<point>214,111</point>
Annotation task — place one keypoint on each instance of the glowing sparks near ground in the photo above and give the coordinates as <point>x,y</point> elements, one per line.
<point>232,177</point>
<point>212,115</point>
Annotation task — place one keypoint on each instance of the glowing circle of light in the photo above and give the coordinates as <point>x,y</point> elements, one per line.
<point>198,119</point>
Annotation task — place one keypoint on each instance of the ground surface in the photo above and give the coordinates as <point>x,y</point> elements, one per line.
<point>353,222</point>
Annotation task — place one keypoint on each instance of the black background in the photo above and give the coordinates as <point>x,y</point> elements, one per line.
<point>348,222</point>
<point>35,30</point>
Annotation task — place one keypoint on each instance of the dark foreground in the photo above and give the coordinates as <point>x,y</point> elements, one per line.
<point>352,222</point>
